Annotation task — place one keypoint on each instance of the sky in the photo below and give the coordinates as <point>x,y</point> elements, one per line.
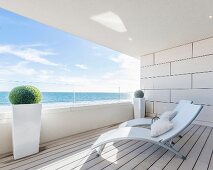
<point>52,60</point>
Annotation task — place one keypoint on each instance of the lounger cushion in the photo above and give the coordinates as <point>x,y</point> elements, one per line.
<point>169,115</point>
<point>161,126</point>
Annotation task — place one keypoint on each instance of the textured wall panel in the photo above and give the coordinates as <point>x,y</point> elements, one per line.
<point>174,54</point>
<point>158,95</point>
<point>203,47</point>
<point>206,114</point>
<point>184,72</point>
<point>160,107</point>
<point>194,65</point>
<point>179,82</point>
<point>156,70</point>
<point>203,80</point>
<point>149,107</point>
<point>198,96</point>
<point>147,60</point>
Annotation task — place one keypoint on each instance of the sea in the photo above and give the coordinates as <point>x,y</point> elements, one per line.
<point>49,98</point>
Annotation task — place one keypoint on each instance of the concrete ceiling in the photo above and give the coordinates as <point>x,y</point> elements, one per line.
<point>133,27</point>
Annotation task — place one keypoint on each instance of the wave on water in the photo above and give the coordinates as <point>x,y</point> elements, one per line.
<point>59,99</point>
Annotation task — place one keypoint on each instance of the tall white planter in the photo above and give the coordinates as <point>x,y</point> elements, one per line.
<point>26,127</point>
<point>139,107</point>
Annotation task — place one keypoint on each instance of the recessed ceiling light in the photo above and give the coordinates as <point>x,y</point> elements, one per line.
<point>210,16</point>
<point>130,39</point>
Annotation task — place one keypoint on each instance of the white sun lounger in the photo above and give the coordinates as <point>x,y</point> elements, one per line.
<point>183,119</point>
<point>148,121</point>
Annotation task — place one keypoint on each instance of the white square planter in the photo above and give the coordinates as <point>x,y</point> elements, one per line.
<point>26,127</point>
<point>139,107</point>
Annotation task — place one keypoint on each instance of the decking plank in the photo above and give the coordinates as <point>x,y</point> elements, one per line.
<point>146,164</point>
<point>176,161</point>
<point>75,152</point>
<point>61,142</point>
<point>205,156</point>
<point>138,157</point>
<point>120,157</point>
<point>93,159</point>
<point>151,159</point>
<point>126,159</point>
<point>210,165</point>
<point>195,152</point>
<point>74,159</point>
<point>53,153</point>
<point>164,160</point>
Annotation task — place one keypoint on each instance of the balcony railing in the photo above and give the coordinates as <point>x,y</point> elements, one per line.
<point>64,94</point>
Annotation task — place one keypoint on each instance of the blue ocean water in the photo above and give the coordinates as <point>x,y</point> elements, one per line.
<point>70,97</point>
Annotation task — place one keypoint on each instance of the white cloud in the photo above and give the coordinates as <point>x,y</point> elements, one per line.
<point>126,62</point>
<point>28,54</point>
<point>32,45</point>
<point>22,73</point>
<point>18,69</point>
<point>126,77</point>
<point>81,66</point>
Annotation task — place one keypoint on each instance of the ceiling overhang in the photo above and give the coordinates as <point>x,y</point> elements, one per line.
<point>134,28</point>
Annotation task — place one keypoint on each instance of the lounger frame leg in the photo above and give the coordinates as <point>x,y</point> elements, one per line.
<point>172,150</point>
<point>171,143</point>
<point>100,149</point>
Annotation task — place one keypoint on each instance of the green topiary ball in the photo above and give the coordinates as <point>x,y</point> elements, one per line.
<point>139,94</point>
<point>25,95</point>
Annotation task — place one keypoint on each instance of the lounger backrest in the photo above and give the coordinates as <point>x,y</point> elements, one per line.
<point>181,104</point>
<point>183,119</point>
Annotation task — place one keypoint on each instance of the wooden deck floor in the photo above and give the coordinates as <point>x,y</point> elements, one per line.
<point>74,153</point>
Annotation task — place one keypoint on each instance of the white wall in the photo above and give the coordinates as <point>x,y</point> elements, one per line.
<point>184,72</point>
<point>61,122</point>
